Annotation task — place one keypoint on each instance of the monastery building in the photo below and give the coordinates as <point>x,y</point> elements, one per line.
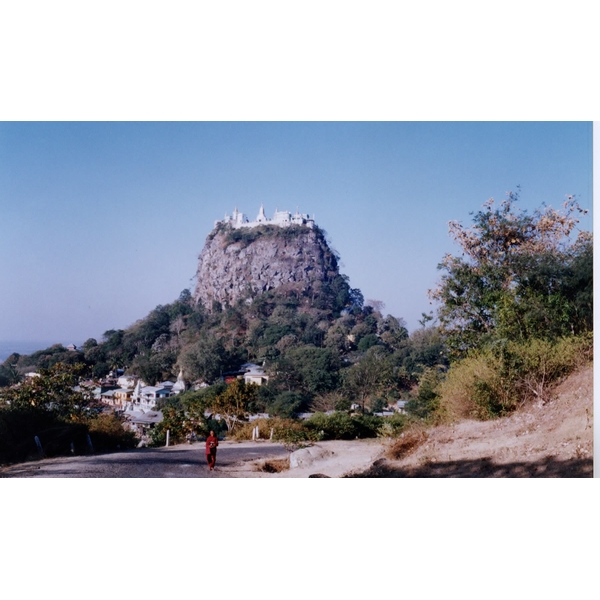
<point>281,218</point>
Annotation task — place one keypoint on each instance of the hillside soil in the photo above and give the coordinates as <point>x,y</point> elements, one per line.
<point>554,439</point>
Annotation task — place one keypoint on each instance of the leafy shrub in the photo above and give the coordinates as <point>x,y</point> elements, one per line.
<point>367,342</point>
<point>174,421</point>
<point>342,426</point>
<point>289,431</point>
<point>393,426</point>
<point>493,382</point>
<point>426,402</point>
<point>244,432</point>
<point>18,428</point>
<point>107,433</point>
<point>285,404</point>
<point>337,426</point>
<point>367,426</point>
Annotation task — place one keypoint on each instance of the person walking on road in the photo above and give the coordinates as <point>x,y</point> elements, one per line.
<point>211,450</point>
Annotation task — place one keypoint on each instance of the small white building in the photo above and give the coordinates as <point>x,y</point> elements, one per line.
<point>254,374</point>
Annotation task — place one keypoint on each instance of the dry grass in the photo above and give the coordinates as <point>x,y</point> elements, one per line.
<point>273,465</point>
<point>407,443</point>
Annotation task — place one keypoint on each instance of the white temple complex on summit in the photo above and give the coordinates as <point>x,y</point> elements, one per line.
<point>281,218</point>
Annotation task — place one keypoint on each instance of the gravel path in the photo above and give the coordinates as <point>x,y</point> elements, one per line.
<point>185,460</point>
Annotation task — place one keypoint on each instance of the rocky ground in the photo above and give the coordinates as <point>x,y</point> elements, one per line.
<point>550,440</point>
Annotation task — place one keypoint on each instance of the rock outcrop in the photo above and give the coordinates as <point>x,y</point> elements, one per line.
<point>239,264</point>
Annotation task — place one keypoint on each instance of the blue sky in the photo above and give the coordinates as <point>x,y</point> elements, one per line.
<point>103,221</point>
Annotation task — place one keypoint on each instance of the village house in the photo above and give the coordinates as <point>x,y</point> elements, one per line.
<point>141,422</point>
<point>121,397</point>
<point>148,395</point>
<point>108,396</point>
<point>249,372</point>
<point>254,374</point>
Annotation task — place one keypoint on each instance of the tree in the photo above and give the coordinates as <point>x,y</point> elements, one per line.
<point>369,377</point>
<point>89,343</point>
<point>55,389</point>
<point>205,359</point>
<point>9,375</point>
<point>178,325</point>
<point>308,370</point>
<point>513,276</point>
<point>393,331</point>
<point>377,305</point>
<point>335,400</point>
<point>426,401</point>
<point>285,404</point>
<point>233,403</point>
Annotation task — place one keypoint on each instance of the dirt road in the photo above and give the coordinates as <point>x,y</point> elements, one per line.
<point>177,461</point>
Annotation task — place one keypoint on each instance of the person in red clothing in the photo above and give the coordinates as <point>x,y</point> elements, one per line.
<point>211,450</point>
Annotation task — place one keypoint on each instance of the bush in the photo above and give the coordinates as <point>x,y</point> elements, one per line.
<point>107,433</point>
<point>337,426</point>
<point>427,401</point>
<point>244,432</point>
<point>18,428</point>
<point>393,426</point>
<point>58,436</point>
<point>289,431</point>
<point>493,382</point>
<point>342,426</point>
<point>367,426</point>
<point>285,404</point>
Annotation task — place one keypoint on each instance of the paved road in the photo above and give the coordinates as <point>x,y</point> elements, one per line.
<point>177,461</point>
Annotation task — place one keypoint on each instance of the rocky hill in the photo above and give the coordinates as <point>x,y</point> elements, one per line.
<point>241,263</point>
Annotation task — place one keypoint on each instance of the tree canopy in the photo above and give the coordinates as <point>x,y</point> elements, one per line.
<point>519,276</point>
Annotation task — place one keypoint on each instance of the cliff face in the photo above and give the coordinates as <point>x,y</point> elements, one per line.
<point>238,264</point>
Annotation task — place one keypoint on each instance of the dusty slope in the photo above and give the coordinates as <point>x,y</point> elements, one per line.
<point>551,440</point>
